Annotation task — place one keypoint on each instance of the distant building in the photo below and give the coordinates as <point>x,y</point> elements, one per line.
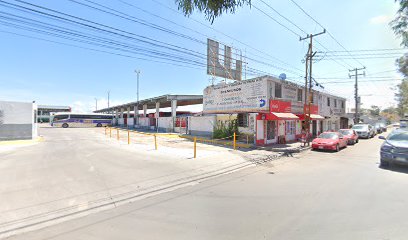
<point>45,111</point>
<point>18,120</point>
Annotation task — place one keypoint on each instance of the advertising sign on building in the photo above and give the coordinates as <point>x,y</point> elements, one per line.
<point>280,106</point>
<point>243,96</point>
<point>314,109</point>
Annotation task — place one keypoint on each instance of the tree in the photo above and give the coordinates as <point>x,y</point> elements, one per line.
<point>211,8</point>
<point>374,111</point>
<point>400,27</point>
<point>400,23</point>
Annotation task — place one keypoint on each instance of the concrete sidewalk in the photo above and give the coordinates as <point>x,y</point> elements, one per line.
<point>77,171</point>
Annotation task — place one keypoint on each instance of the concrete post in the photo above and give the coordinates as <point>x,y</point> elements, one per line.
<point>144,110</point>
<point>173,112</point>
<point>128,117</point>
<point>157,115</point>
<point>136,110</point>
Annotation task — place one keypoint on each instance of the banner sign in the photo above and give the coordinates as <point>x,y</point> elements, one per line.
<point>243,96</point>
<point>280,106</point>
<point>314,109</point>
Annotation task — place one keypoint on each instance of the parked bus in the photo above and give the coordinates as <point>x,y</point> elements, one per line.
<point>66,120</point>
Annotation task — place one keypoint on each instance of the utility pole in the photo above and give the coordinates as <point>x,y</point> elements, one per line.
<point>356,74</point>
<point>137,92</point>
<point>108,97</point>
<point>308,80</point>
<point>96,104</point>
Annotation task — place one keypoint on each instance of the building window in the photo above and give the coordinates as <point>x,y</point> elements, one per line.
<point>271,92</point>
<point>342,104</point>
<point>299,95</point>
<point>278,90</point>
<point>335,102</point>
<point>242,119</point>
<point>290,127</point>
<point>328,101</point>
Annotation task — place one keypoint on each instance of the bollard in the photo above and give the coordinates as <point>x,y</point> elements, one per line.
<point>155,142</point>
<point>128,137</point>
<point>110,132</point>
<point>234,141</point>
<point>195,147</point>
<point>117,133</point>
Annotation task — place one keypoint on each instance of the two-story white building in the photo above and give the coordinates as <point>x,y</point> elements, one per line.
<point>272,110</point>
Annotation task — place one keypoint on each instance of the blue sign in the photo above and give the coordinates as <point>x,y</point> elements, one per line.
<point>263,102</point>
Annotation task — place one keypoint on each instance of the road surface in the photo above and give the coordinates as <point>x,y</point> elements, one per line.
<point>318,195</point>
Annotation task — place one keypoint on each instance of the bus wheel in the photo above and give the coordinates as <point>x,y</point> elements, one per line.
<point>65,125</point>
<point>99,125</point>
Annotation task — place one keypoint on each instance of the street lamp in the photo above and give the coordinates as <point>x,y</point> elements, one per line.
<point>96,104</point>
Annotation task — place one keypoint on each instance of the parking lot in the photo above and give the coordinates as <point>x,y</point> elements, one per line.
<point>80,170</point>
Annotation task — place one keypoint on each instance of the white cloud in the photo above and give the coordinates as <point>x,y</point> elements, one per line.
<point>381,19</point>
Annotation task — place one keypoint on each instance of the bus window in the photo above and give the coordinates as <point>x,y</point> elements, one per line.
<point>60,117</point>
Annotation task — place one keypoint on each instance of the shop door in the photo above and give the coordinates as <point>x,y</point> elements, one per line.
<point>180,125</point>
<point>314,127</point>
<point>290,130</point>
<point>270,132</point>
<point>321,126</point>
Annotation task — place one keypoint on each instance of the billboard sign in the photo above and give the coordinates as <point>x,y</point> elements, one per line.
<point>314,109</point>
<point>280,106</point>
<point>223,65</point>
<point>242,96</point>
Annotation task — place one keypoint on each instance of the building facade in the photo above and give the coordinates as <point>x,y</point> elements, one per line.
<point>18,120</point>
<point>272,110</point>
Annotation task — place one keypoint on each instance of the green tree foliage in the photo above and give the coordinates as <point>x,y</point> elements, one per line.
<point>374,111</point>
<point>225,130</point>
<point>400,23</point>
<point>400,27</point>
<point>211,8</point>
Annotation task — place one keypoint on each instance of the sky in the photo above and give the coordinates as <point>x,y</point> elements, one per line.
<point>60,71</point>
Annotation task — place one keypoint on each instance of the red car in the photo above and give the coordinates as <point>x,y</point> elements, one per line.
<point>350,135</point>
<point>329,141</point>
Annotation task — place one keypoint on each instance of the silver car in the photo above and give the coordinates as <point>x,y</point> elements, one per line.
<point>364,130</point>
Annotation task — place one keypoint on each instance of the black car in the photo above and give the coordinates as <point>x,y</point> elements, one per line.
<point>395,148</point>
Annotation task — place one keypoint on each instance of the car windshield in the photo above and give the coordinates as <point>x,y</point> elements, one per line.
<point>360,127</point>
<point>399,136</point>
<point>346,132</point>
<point>328,136</point>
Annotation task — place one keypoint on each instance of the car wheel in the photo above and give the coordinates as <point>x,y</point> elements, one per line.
<point>99,125</point>
<point>357,141</point>
<point>384,164</point>
<point>65,125</point>
<point>337,148</point>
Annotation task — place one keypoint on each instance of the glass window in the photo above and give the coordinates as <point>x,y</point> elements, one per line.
<point>270,130</point>
<point>328,101</point>
<point>278,90</point>
<point>342,104</point>
<point>60,117</point>
<point>335,102</point>
<point>299,95</point>
<point>243,119</point>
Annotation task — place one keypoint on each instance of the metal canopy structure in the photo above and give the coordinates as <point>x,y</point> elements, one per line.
<point>164,101</point>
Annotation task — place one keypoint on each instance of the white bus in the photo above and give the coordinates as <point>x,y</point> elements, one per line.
<point>66,119</point>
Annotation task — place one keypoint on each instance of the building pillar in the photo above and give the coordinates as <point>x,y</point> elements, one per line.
<point>136,110</point>
<point>174,112</point>
<point>144,110</point>
<point>157,115</point>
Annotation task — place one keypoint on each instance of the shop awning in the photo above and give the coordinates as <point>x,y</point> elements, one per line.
<point>280,116</point>
<point>312,116</point>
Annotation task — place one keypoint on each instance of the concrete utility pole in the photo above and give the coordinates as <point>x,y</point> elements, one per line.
<point>96,104</point>
<point>356,74</point>
<point>308,79</point>
<point>137,92</point>
<point>108,97</point>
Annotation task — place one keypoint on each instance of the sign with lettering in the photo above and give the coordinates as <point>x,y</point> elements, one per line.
<point>242,96</point>
<point>279,106</point>
<point>314,109</point>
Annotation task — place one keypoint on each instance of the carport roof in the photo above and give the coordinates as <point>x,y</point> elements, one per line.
<point>164,100</point>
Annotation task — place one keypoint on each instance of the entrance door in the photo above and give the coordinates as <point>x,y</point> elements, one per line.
<point>314,127</point>
<point>270,132</point>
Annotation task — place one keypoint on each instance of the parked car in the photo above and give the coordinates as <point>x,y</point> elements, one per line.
<point>364,130</point>
<point>395,148</point>
<point>350,135</point>
<point>383,127</point>
<point>329,141</point>
<point>379,127</point>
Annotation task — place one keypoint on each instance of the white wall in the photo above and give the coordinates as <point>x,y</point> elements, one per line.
<point>166,123</point>
<point>144,121</point>
<point>130,121</point>
<point>201,125</point>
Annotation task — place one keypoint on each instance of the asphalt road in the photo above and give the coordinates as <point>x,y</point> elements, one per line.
<point>317,195</point>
